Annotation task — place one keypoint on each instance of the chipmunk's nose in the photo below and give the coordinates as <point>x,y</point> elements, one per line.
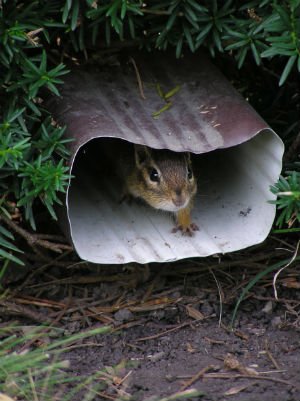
<point>178,198</point>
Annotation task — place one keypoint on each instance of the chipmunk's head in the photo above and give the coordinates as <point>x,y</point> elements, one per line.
<point>165,178</point>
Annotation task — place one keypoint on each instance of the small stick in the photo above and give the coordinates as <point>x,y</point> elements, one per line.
<point>272,359</point>
<point>10,308</point>
<point>284,267</point>
<point>270,356</point>
<point>40,269</point>
<point>124,378</point>
<point>33,239</point>
<point>220,295</point>
<point>241,376</point>
<point>196,377</point>
<point>138,77</point>
<point>165,332</point>
<point>31,36</point>
<point>47,329</point>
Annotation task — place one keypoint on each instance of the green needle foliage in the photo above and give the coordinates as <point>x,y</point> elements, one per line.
<point>35,35</point>
<point>287,190</point>
<point>32,147</point>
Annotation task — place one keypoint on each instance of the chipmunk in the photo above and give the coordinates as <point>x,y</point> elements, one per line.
<point>165,181</point>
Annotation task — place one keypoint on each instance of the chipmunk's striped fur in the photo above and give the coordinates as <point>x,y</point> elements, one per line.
<point>164,180</point>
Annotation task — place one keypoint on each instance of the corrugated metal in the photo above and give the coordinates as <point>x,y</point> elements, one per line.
<point>206,114</point>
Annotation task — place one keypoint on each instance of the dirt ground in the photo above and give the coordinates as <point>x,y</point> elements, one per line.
<point>164,365</point>
<point>171,326</point>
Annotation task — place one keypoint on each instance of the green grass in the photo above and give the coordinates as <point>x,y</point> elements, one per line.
<point>272,268</point>
<point>40,373</point>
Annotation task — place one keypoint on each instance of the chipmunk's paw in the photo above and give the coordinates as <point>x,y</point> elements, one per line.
<point>186,230</point>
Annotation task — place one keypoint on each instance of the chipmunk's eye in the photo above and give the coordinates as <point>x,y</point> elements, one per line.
<point>153,174</point>
<point>189,173</point>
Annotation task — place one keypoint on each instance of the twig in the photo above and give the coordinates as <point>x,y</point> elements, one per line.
<point>220,295</point>
<point>196,377</point>
<point>267,352</point>
<point>39,302</point>
<point>35,239</point>
<point>84,345</point>
<point>282,300</point>
<point>52,237</point>
<point>180,326</point>
<point>50,261</point>
<point>83,280</point>
<point>281,241</point>
<point>284,267</point>
<point>31,36</point>
<point>181,395</point>
<point>124,378</point>
<point>254,258</point>
<point>272,359</point>
<point>47,329</point>
<point>242,376</point>
<point>41,268</point>
<point>138,77</point>
<point>9,308</point>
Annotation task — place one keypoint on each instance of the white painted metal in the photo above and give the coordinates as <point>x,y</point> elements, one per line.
<point>231,209</point>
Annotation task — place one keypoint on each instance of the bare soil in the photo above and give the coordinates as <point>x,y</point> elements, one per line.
<point>164,365</point>
<point>171,326</point>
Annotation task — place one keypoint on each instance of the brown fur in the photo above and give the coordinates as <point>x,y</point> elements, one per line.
<point>174,192</point>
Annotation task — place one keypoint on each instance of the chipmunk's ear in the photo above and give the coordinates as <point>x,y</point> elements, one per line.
<point>142,155</point>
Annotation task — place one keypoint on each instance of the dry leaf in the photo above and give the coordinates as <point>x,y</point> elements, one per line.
<point>213,341</point>
<point>290,282</point>
<point>194,313</point>
<point>238,389</point>
<point>241,335</point>
<point>4,397</point>
<point>268,307</point>
<point>231,362</point>
<point>249,371</point>
<point>190,348</point>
